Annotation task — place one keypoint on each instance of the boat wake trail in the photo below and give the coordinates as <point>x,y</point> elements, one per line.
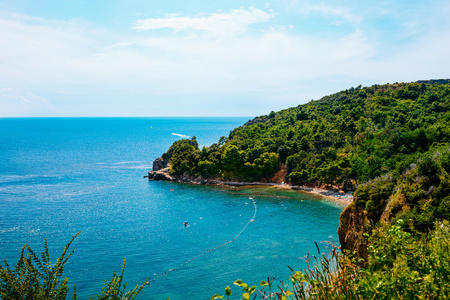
<point>181,135</point>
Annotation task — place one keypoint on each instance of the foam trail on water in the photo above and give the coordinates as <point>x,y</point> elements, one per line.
<point>181,135</point>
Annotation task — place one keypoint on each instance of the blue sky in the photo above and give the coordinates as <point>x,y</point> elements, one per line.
<point>209,58</point>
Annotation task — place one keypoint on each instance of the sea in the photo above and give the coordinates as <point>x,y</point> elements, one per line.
<point>61,176</point>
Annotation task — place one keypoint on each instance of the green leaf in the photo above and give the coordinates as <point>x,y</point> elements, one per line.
<point>246,296</point>
<point>228,291</point>
<point>252,289</point>
<point>217,296</point>
<point>263,283</point>
<point>238,282</point>
<point>241,284</point>
<point>299,274</point>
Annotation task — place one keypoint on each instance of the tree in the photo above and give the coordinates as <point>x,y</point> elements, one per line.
<point>184,157</point>
<point>267,164</point>
<point>429,168</point>
<point>231,160</point>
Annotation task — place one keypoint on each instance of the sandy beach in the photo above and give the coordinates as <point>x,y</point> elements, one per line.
<point>340,196</point>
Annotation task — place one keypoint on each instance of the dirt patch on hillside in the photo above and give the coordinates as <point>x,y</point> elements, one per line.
<point>280,176</point>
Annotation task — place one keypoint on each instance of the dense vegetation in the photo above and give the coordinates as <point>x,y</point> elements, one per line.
<point>343,139</point>
<point>420,194</point>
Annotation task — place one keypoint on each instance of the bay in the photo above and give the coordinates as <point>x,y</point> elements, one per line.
<point>59,176</point>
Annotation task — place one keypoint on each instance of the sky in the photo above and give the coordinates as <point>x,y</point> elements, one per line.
<point>107,58</point>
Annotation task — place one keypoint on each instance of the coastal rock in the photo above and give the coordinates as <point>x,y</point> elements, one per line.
<point>159,175</point>
<point>351,230</point>
<point>160,163</point>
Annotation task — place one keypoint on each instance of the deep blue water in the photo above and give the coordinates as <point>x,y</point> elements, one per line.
<point>59,176</point>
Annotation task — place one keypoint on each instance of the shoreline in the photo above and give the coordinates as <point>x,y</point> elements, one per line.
<point>337,196</point>
<point>343,198</point>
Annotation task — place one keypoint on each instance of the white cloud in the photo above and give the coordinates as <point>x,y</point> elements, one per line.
<point>74,66</point>
<point>232,22</point>
<point>14,103</point>
<point>120,45</point>
<point>322,8</point>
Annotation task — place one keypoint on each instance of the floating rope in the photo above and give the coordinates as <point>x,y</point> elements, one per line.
<point>210,250</point>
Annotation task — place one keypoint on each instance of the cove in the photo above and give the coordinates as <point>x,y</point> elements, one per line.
<point>61,176</point>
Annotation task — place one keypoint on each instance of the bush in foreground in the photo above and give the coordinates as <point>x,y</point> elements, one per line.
<point>36,277</point>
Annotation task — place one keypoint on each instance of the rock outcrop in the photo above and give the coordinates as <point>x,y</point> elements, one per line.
<point>353,225</point>
<point>160,164</point>
<point>160,170</point>
<point>162,174</point>
<point>256,120</point>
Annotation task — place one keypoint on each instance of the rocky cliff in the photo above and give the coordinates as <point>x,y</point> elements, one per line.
<point>353,225</point>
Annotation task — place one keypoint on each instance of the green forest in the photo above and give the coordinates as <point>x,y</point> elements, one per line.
<point>343,140</point>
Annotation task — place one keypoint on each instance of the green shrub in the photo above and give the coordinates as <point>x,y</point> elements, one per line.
<point>35,277</point>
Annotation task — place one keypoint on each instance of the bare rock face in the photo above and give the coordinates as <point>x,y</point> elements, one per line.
<point>162,174</point>
<point>160,164</point>
<point>353,225</point>
<point>256,120</point>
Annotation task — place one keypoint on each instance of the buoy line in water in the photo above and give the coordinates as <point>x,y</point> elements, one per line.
<point>210,250</point>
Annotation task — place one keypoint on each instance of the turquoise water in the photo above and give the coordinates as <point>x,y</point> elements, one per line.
<point>61,176</point>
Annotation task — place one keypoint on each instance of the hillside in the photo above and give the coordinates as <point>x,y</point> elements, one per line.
<point>343,139</point>
<point>367,140</point>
